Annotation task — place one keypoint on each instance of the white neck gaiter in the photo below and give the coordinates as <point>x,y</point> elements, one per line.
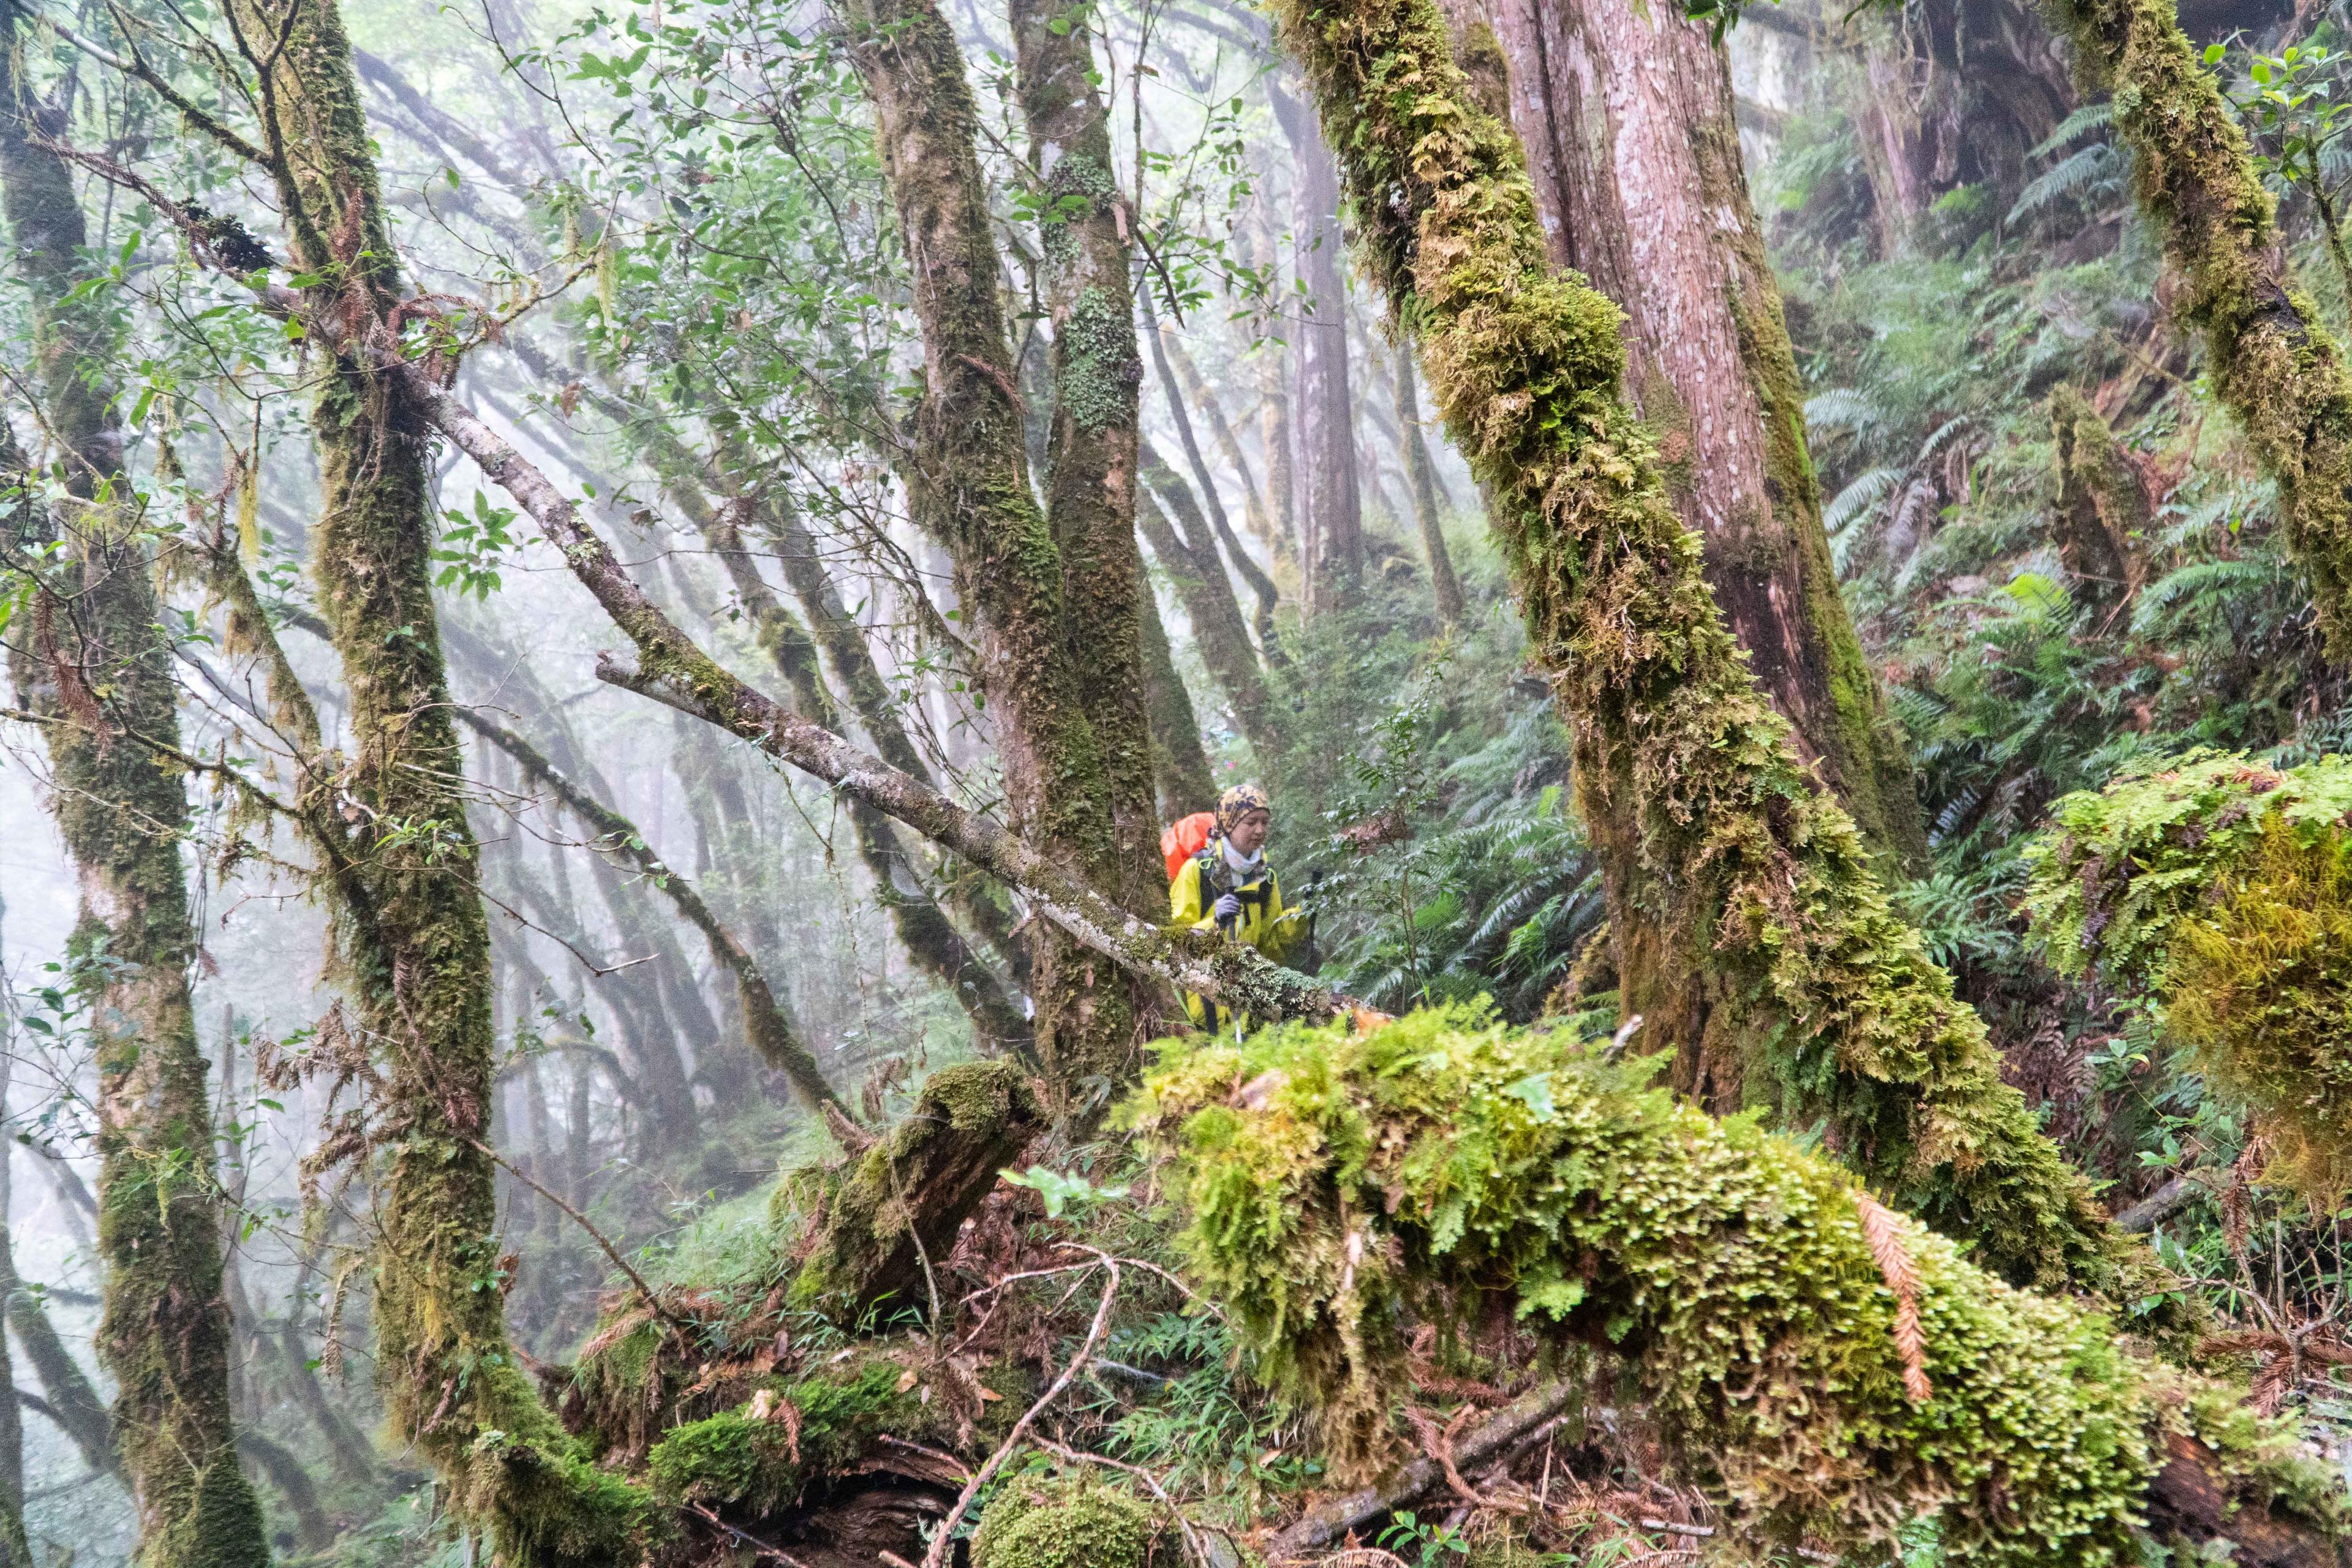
<point>1241,867</point>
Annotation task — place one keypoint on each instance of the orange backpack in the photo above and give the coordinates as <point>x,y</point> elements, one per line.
<point>1185,838</point>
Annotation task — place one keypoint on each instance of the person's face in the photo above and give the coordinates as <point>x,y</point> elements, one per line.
<point>1249,834</point>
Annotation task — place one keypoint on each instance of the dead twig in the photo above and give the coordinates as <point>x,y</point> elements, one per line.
<point>653,1301</point>
<point>937,1553</point>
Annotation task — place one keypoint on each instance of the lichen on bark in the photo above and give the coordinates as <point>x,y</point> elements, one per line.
<point>101,671</point>
<point>1780,955</point>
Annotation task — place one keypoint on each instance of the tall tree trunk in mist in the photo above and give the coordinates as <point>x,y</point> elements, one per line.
<point>416,940</point>
<point>1626,115</point>
<point>1180,766</point>
<point>1219,632</point>
<point>1422,471</point>
<point>1330,504</point>
<point>1074,741</point>
<point>164,1333</point>
<point>1779,954</point>
<point>1272,363</point>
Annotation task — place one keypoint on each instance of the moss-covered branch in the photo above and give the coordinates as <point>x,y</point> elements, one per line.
<point>2271,360</point>
<point>1782,968</point>
<point>1335,1183</point>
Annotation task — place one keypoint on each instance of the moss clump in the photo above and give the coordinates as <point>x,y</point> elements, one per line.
<point>900,1203</point>
<point>1752,933</point>
<point>2219,889</point>
<point>1448,1157</point>
<point>1069,1524</point>
<point>2260,989</point>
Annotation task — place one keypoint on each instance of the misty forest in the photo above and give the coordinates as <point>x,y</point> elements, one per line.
<point>1157,784</point>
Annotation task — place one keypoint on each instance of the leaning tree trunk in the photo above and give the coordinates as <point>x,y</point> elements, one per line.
<point>416,940</point>
<point>1179,765</point>
<point>14,1551</point>
<point>1445,585</point>
<point>101,671</point>
<point>1786,962</point>
<point>1626,115</point>
<point>1076,775</point>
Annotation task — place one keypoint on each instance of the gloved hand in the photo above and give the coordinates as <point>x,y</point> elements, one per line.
<point>1227,907</point>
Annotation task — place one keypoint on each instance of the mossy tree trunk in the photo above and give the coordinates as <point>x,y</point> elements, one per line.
<point>1065,691</point>
<point>101,671</point>
<point>416,940</point>
<point>14,1551</point>
<point>1625,113</point>
<point>2103,505</point>
<point>1778,962</point>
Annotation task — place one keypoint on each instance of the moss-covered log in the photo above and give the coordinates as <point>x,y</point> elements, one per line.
<point>883,1223</point>
<point>2274,363</point>
<point>1775,1320</point>
<point>1756,940</point>
<point>1073,1522</point>
<point>419,966</point>
<point>99,668</point>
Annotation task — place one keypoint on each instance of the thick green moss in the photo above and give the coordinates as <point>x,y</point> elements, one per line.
<point>1335,1182</point>
<point>1754,936</point>
<point>762,1460</point>
<point>1070,1523</point>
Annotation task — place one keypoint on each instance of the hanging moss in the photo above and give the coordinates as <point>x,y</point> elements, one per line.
<point>1070,1523</point>
<point>1335,1182</point>
<point>1781,960</point>
<point>2272,362</point>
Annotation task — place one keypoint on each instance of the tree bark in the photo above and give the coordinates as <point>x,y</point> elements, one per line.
<point>1202,397</point>
<point>1778,957</point>
<point>1443,583</point>
<point>14,1551</point>
<point>164,1332</point>
<point>2102,503</point>
<point>1626,113</point>
<point>419,951</point>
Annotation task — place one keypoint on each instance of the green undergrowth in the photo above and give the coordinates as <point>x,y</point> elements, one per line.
<point>2216,892</point>
<point>1338,1187</point>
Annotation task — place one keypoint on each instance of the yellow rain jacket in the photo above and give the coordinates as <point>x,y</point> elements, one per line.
<point>1265,922</point>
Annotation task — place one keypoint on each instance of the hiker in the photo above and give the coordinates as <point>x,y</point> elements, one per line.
<point>1227,887</point>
